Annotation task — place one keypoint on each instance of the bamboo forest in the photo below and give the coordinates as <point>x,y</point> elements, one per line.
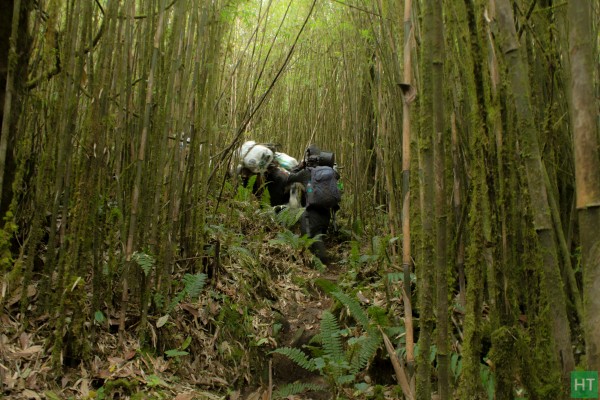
<point>299,199</point>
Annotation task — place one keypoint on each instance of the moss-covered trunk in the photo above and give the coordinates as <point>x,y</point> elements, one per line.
<point>426,266</point>
<point>531,156</point>
<point>587,169</point>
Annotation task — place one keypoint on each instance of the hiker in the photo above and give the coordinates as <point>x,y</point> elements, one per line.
<point>271,169</point>
<point>322,196</point>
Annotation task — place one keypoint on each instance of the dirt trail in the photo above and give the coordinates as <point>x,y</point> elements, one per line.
<point>301,322</point>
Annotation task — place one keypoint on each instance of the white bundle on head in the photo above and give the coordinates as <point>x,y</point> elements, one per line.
<point>255,157</point>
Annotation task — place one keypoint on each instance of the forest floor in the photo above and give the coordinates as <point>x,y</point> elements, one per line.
<point>118,370</point>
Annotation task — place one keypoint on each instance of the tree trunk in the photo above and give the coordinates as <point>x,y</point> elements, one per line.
<point>552,282</point>
<point>441,209</point>
<point>426,276</point>
<point>408,97</point>
<point>587,169</point>
<point>14,60</point>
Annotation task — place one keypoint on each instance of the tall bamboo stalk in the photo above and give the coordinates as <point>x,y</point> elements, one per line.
<point>518,77</point>
<point>10,88</point>
<point>441,209</point>
<point>408,95</point>
<point>426,276</point>
<point>587,169</point>
<point>141,157</point>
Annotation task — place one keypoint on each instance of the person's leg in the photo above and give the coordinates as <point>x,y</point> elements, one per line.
<point>319,222</point>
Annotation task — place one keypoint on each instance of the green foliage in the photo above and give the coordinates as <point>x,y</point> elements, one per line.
<point>365,348</point>
<point>99,317</point>
<point>455,365</point>
<point>488,380</point>
<point>292,389</point>
<point>289,217</point>
<point>297,356</point>
<point>244,193</point>
<point>395,277</point>
<point>176,353</point>
<point>144,260</point>
<point>288,238</point>
<point>193,286</point>
<point>337,359</point>
<point>241,254</point>
<point>357,259</point>
<point>6,233</point>
<point>380,245</point>
<point>331,337</point>
<point>328,286</point>
<point>179,351</point>
<point>354,308</point>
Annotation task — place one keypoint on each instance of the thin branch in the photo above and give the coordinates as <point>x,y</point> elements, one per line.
<point>357,8</point>
<point>527,16</point>
<point>143,16</point>
<point>57,66</point>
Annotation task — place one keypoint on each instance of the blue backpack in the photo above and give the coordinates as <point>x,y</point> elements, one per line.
<point>322,189</point>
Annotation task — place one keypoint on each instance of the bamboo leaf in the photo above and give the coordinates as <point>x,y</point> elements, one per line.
<point>162,320</point>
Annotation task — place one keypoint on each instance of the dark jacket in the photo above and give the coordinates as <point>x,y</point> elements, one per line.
<point>274,179</point>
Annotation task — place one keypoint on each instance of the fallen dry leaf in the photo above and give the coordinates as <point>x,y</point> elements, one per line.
<point>30,394</point>
<point>24,340</point>
<point>184,396</point>
<point>28,352</point>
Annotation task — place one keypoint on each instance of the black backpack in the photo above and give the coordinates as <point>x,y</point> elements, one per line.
<point>322,189</point>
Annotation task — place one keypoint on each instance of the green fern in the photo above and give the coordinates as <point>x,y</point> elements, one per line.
<point>244,193</point>
<point>292,389</point>
<point>328,286</point>
<point>194,284</point>
<point>297,356</point>
<point>354,253</point>
<point>145,261</point>
<point>353,307</point>
<point>241,254</point>
<point>296,242</point>
<point>331,359</point>
<point>378,316</point>
<point>288,217</point>
<point>330,335</point>
<point>362,349</point>
<point>265,198</point>
<point>366,347</point>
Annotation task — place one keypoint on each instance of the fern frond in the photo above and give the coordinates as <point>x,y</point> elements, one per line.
<point>289,216</point>
<point>332,342</point>
<point>328,286</point>
<point>295,388</point>
<point>367,347</point>
<point>244,193</point>
<point>394,277</point>
<point>241,254</point>
<point>288,238</point>
<point>194,284</point>
<point>145,261</point>
<point>297,356</point>
<point>378,316</point>
<point>353,307</point>
<point>345,379</point>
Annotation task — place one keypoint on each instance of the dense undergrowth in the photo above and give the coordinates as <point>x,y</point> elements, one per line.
<point>218,332</point>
